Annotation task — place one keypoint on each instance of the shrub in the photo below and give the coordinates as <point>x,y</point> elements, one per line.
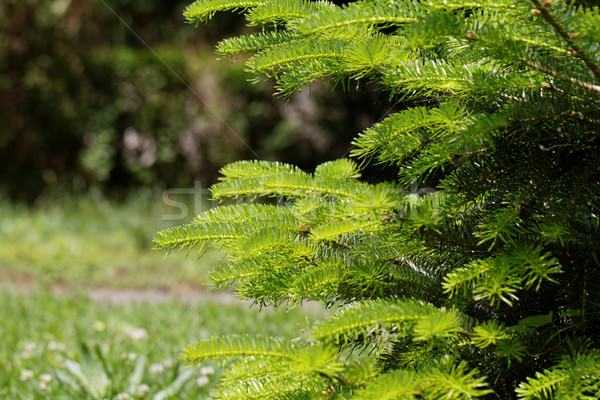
<point>472,273</point>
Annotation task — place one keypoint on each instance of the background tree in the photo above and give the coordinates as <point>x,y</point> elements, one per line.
<point>473,273</point>
<point>97,94</point>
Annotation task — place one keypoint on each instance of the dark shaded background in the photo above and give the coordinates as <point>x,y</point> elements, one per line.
<point>86,102</point>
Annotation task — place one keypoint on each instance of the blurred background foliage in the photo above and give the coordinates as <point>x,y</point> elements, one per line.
<point>122,94</point>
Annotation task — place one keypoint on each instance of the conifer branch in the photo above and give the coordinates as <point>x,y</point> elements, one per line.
<point>513,98</point>
<point>453,241</point>
<point>342,244</point>
<point>203,10</point>
<point>513,163</point>
<point>584,289</point>
<point>567,37</point>
<point>589,173</point>
<point>548,71</point>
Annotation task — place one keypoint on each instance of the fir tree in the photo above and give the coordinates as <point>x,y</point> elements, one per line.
<point>484,286</point>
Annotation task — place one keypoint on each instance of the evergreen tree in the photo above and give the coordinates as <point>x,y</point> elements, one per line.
<point>472,274</point>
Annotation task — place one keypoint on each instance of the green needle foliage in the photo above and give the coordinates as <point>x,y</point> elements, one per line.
<point>473,273</point>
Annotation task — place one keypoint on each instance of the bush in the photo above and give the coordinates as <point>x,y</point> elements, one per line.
<point>474,272</point>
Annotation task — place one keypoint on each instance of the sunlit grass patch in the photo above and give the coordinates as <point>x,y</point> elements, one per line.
<point>70,347</point>
<point>91,242</point>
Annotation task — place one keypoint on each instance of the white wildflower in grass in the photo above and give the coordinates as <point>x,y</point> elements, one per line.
<point>44,386</point>
<point>29,350</point>
<point>129,356</point>
<point>31,346</point>
<point>45,378</point>
<point>142,390</point>
<point>207,370</point>
<point>137,334</point>
<point>58,359</point>
<point>202,381</point>
<point>123,396</point>
<point>55,346</point>
<point>26,375</point>
<point>156,368</point>
<point>168,362</point>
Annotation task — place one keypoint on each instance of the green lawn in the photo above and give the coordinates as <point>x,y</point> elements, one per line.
<point>91,242</point>
<point>57,343</point>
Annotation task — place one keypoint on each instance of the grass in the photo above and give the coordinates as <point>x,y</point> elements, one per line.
<point>92,242</point>
<point>60,344</point>
<point>68,347</point>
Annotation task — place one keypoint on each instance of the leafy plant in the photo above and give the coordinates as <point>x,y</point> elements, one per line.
<point>474,272</point>
<point>93,377</point>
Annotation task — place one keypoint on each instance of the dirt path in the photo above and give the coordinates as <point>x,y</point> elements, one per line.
<point>120,296</point>
<point>114,296</point>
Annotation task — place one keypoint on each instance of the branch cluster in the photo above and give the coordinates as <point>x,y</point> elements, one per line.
<point>472,274</point>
